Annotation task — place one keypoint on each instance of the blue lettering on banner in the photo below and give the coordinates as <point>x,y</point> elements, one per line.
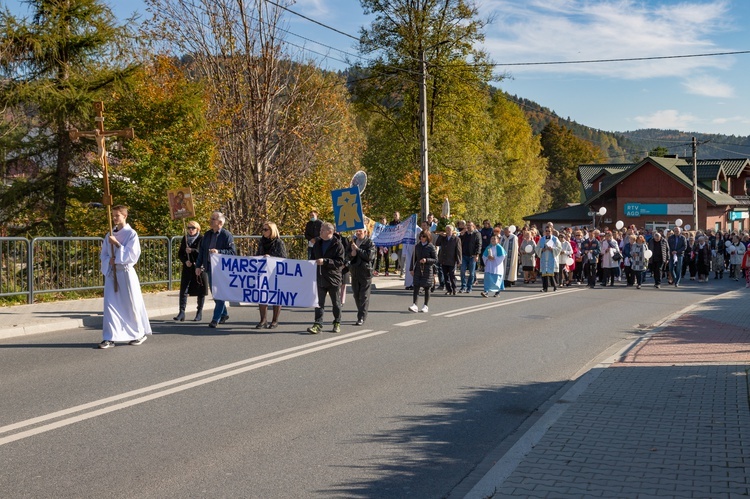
<point>269,281</point>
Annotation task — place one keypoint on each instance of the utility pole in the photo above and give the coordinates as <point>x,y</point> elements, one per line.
<point>425,205</point>
<point>695,184</point>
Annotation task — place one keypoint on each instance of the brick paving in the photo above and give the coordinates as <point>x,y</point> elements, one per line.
<point>670,419</point>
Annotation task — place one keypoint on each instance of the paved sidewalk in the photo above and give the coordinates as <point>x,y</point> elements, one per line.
<point>22,320</point>
<point>670,418</point>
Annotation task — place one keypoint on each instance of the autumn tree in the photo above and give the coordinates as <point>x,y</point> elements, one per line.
<point>271,115</point>
<point>444,34</point>
<point>515,159</point>
<point>173,147</point>
<point>53,65</point>
<point>565,152</point>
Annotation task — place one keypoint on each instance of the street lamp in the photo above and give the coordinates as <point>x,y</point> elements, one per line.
<point>425,194</point>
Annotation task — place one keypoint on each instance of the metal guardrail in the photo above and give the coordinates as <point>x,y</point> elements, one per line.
<point>60,264</point>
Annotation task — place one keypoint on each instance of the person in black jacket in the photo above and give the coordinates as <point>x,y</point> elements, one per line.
<point>328,254</point>
<point>360,255</point>
<point>471,248</point>
<point>270,244</point>
<point>190,284</point>
<point>422,264</point>
<point>312,231</point>
<point>659,257</point>
<point>677,247</point>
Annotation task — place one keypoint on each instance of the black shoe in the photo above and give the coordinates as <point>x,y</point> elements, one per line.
<point>223,319</point>
<point>213,324</point>
<point>359,322</point>
<point>180,317</point>
<point>198,316</point>
<point>261,325</point>
<point>409,288</point>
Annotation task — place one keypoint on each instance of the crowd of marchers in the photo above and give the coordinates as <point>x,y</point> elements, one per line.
<point>557,257</point>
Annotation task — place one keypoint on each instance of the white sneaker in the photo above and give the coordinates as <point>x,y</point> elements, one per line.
<point>414,308</point>
<point>425,309</point>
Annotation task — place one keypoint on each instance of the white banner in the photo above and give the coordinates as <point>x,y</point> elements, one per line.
<point>270,281</point>
<point>393,235</point>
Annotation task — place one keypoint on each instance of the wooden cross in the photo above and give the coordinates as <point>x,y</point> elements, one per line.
<point>100,134</point>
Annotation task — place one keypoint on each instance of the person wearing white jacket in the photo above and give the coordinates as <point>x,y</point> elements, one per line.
<point>736,252</point>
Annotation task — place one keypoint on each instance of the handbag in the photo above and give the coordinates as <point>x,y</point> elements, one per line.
<point>617,256</point>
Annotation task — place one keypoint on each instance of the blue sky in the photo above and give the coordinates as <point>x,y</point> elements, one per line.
<point>702,94</point>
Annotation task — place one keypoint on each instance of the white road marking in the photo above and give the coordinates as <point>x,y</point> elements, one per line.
<point>308,348</point>
<point>489,305</point>
<point>409,323</point>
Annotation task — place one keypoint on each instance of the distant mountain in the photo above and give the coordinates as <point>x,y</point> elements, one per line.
<point>621,147</point>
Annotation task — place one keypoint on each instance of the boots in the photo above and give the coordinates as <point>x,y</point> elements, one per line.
<point>183,303</point>
<point>199,313</point>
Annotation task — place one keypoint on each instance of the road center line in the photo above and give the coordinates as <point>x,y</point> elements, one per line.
<point>486,305</point>
<point>177,389</point>
<point>165,384</point>
<point>507,302</point>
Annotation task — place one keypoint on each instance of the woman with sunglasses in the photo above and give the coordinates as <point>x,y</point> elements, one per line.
<point>190,284</point>
<point>270,245</point>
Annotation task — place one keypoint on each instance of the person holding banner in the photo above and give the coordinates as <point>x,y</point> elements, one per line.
<point>270,245</point>
<point>125,317</point>
<point>328,254</point>
<point>190,284</point>
<point>217,240</point>
<point>361,253</point>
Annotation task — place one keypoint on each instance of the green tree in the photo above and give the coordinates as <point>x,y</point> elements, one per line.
<point>565,152</point>
<point>444,33</point>
<point>173,147</point>
<point>52,67</point>
<point>520,170</point>
<point>658,152</point>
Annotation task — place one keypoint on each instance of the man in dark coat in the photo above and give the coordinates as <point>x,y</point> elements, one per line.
<point>217,240</point>
<point>448,257</point>
<point>590,251</point>
<point>677,247</point>
<point>312,231</point>
<point>328,254</point>
<point>361,256</point>
<point>471,248</point>
<point>659,256</point>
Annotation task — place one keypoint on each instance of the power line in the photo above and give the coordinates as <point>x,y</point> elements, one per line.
<point>313,20</point>
<point>625,59</point>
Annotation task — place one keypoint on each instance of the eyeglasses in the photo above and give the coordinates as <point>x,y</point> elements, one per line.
<point>265,229</point>
<point>190,227</point>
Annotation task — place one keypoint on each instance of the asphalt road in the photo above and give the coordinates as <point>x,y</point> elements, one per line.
<point>408,405</point>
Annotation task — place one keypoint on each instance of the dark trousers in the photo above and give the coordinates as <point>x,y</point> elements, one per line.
<point>449,277</point>
<point>609,275</point>
<point>629,275</point>
<point>549,279</point>
<point>589,270</point>
<point>361,290</point>
<point>335,299</point>
<point>415,295</point>
<point>656,271</point>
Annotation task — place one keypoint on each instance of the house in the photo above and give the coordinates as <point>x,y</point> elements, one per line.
<point>654,192</point>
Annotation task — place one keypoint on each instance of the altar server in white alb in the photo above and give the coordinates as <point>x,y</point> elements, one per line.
<point>125,317</point>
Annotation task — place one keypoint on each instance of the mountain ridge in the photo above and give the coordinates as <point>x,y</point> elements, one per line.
<point>631,146</point>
